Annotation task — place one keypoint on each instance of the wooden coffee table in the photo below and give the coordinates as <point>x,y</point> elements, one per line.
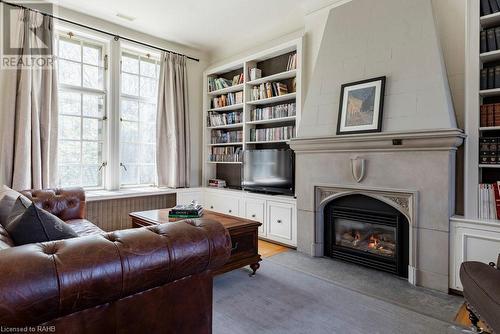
<point>243,232</point>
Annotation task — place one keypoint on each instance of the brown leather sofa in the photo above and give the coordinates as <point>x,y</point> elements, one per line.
<point>481,284</point>
<point>146,280</point>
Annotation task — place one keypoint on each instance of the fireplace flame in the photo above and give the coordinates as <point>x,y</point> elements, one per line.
<point>373,242</point>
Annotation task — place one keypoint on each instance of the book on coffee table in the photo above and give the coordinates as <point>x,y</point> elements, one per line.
<point>192,210</point>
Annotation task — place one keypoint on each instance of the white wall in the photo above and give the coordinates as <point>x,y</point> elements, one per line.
<point>195,82</point>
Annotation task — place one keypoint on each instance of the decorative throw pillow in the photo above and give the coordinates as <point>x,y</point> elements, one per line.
<point>36,225</point>
<point>8,198</point>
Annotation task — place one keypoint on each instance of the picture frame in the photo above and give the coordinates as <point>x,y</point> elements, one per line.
<point>361,106</point>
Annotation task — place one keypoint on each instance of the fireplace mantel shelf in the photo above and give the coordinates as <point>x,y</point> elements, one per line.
<point>423,140</point>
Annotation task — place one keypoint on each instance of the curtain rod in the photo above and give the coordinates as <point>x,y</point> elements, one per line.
<point>116,37</point>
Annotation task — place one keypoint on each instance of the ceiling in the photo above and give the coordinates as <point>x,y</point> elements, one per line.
<point>208,25</point>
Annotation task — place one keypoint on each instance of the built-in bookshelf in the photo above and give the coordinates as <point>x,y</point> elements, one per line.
<point>259,96</point>
<point>482,116</point>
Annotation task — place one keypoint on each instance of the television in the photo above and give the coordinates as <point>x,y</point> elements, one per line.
<point>269,171</point>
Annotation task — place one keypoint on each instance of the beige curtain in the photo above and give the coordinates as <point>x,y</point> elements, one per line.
<point>28,128</point>
<point>172,136</point>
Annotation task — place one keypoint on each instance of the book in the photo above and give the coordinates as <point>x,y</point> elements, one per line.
<point>497,36</point>
<point>496,188</point>
<point>485,7</point>
<point>483,119</point>
<point>184,216</point>
<point>494,6</point>
<point>497,76</point>
<point>490,110</point>
<point>492,41</point>
<point>484,79</point>
<point>484,42</point>
<point>194,210</point>
<point>491,78</point>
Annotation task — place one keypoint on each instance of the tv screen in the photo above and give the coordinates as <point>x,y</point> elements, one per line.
<point>270,171</point>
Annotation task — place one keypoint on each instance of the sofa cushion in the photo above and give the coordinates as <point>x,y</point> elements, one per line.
<point>83,227</point>
<point>5,239</point>
<point>482,291</point>
<point>37,225</point>
<point>8,198</point>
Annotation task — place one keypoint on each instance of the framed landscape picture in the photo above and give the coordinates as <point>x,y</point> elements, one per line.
<point>361,105</point>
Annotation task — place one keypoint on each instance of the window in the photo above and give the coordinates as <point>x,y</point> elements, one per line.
<point>82,111</point>
<point>139,85</point>
<point>107,128</point>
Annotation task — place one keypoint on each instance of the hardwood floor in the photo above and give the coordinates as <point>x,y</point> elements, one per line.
<point>462,318</point>
<point>267,249</point>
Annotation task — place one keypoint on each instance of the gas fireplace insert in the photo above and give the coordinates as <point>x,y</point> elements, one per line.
<point>367,231</point>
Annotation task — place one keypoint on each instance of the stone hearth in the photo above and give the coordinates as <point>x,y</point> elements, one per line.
<point>412,171</point>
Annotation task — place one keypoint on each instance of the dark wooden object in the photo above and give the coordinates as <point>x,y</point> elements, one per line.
<point>243,232</point>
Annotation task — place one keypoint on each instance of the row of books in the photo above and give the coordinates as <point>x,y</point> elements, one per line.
<point>292,62</point>
<point>489,7</point>
<point>192,210</point>
<point>271,134</point>
<point>217,119</point>
<point>490,77</point>
<point>489,115</point>
<point>227,100</point>
<point>225,154</point>
<point>279,111</point>
<point>223,137</point>
<point>217,183</point>
<point>269,89</point>
<point>221,83</point>
<point>490,40</point>
<point>489,201</point>
<point>489,150</point>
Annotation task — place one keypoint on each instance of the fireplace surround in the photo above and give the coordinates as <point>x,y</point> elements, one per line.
<point>366,231</point>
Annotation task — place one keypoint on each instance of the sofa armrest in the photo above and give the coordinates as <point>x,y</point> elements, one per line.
<point>40,282</point>
<point>65,203</point>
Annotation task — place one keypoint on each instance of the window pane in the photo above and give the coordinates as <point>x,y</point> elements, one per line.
<point>70,50</point>
<point>130,65</point>
<point>148,87</point>
<point>91,153</point>
<point>148,174</point>
<point>91,177</point>
<point>148,69</point>
<point>69,152</point>
<point>130,110</point>
<point>70,175</point>
<point>130,176</point>
<point>93,105</point>
<point>91,129</point>
<point>148,112</point>
<point>91,55</point>
<point>148,154</point>
<point>69,127</point>
<point>130,153</point>
<point>92,77</point>
<point>129,131</point>
<point>148,133</point>
<point>69,103</point>
<point>70,73</point>
<point>130,84</point>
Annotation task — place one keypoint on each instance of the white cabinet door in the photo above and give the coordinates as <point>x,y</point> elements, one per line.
<point>471,242</point>
<point>255,210</point>
<point>281,222</point>
<point>222,204</point>
<point>186,197</point>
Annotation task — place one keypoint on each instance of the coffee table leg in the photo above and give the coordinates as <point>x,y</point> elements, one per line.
<point>254,267</point>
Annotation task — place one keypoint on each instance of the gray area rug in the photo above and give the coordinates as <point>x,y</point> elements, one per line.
<point>284,300</point>
<point>374,283</point>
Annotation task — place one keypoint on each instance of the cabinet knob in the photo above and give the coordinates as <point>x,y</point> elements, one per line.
<point>279,221</point>
<point>230,211</point>
<point>211,206</point>
<point>253,216</point>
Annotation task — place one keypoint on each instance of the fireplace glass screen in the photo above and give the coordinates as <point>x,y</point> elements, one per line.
<point>366,237</point>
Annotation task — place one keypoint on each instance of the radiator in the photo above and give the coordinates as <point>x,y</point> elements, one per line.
<point>112,214</point>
